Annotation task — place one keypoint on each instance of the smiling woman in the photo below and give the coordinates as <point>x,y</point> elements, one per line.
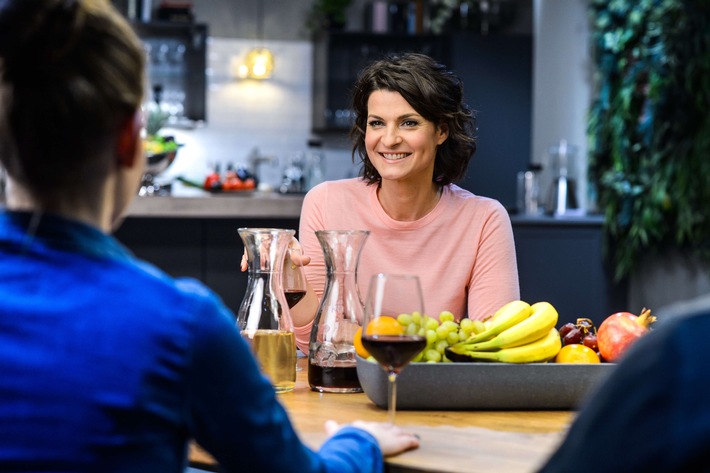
<point>413,136</point>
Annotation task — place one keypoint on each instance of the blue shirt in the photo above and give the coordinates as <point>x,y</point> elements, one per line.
<point>109,365</point>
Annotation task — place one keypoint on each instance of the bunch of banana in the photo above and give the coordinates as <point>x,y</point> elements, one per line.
<point>516,333</point>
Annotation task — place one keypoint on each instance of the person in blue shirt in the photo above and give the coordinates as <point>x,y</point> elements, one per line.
<point>106,363</point>
<point>652,413</point>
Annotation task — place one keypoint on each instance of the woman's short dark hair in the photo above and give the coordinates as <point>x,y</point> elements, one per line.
<point>71,71</point>
<point>435,93</point>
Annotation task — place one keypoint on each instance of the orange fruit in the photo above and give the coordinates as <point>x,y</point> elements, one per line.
<point>357,342</point>
<point>383,325</point>
<point>577,353</point>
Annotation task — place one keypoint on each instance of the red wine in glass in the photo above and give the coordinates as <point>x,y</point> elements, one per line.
<point>293,296</point>
<point>387,295</point>
<point>393,352</point>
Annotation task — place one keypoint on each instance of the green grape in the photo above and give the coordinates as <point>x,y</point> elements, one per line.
<point>442,331</point>
<point>446,316</point>
<point>417,318</point>
<point>452,337</point>
<point>452,326</point>
<point>404,319</point>
<point>432,356</point>
<point>466,325</point>
<point>431,323</point>
<point>412,329</point>
<point>421,332</point>
<point>478,326</point>
<point>419,357</point>
<point>463,336</point>
<point>431,337</point>
<point>441,346</point>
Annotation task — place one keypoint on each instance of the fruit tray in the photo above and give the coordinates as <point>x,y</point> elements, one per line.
<point>494,386</point>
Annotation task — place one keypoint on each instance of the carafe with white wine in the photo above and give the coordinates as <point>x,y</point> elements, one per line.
<point>264,318</point>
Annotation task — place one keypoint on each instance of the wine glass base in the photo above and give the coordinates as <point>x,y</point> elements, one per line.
<point>328,389</point>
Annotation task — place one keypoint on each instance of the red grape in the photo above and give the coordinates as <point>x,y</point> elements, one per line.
<point>566,328</point>
<point>590,341</point>
<point>573,336</point>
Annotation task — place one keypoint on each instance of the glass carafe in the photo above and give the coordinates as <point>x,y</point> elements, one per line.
<point>264,318</point>
<point>331,354</point>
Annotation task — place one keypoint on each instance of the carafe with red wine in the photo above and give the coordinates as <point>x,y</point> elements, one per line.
<point>332,363</point>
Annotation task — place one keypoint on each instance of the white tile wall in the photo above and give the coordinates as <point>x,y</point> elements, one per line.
<point>273,115</point>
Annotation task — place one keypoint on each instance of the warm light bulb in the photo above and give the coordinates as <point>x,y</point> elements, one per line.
<point>259,63</point>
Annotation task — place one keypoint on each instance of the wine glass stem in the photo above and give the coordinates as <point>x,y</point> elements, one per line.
<point>392,407</point>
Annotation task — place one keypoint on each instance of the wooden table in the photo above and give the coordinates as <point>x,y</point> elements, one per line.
<point>451,441</point>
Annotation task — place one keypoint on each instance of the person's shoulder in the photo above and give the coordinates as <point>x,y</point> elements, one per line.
<point>337,188</point>
<point>184,291</point>
<point>466,199</point>
<point>685,309</point>
<point>686,321</point>
<point>341,184</point>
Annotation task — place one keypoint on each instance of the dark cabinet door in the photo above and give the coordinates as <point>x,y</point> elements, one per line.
<point>339,57</point>
<point>497,73</point>
<point>563,263</point>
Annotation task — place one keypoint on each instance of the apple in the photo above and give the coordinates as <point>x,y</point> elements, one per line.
<point>620,330</point>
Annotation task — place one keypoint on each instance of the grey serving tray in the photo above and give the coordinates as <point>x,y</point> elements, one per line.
<point>494,386</point>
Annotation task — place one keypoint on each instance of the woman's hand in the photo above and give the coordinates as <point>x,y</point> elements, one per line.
<point>392,439</point>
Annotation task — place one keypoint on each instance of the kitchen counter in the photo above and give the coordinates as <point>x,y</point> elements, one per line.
<point>572,220</point>
<point>560,259</point>
<point>236,205</point>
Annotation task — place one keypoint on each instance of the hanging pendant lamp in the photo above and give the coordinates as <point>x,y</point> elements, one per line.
<point>259,63</point>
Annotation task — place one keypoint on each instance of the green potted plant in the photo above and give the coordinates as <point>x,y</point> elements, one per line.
<point>327,15</point>
<point>649,128</point>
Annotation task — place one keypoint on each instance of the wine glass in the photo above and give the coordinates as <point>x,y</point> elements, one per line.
<point>388,296</point>
<point>293,277</point>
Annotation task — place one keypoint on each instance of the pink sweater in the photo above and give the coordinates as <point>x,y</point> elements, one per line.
<point>463,250</point>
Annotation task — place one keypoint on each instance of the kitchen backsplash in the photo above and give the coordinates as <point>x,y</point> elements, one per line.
<point>272,116</point>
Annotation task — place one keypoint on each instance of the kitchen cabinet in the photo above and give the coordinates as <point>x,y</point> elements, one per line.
<point>338,57</point>
<point>177,61</point>
<point>496,70</point>
<point>561,261</point>
<point>197,236</point>
<point>207,249</point>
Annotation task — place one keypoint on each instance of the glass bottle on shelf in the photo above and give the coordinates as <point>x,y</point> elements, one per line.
<point>315,163</point>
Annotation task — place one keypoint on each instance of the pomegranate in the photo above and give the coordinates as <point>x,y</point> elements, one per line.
<point>619,331</point>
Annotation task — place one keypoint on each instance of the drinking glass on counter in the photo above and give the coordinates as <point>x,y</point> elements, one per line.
<point>388,296</point>
<point>294,278</point>
<point>264,318</point>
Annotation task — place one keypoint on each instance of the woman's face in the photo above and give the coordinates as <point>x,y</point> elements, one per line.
<point>400,143</point>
